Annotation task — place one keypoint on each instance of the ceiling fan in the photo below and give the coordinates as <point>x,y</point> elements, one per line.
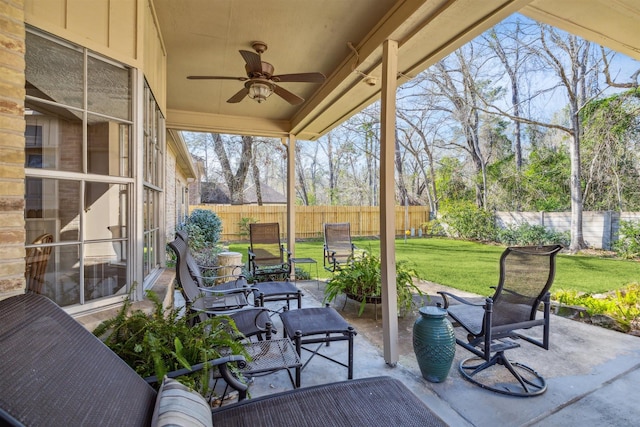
<point>260,82</point>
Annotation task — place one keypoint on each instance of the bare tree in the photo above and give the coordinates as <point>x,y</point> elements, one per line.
<point>422,148</point>
<point>235,181</point>
<point>511,59</point>
<point>302,182</point>
<point>452,81</point>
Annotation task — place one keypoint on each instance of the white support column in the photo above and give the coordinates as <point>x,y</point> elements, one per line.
<point>291,193</point>
<point>387,202</point>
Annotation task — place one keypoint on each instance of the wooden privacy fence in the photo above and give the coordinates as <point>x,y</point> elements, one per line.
<point>365,220</point>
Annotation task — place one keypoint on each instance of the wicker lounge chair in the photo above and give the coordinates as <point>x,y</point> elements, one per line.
<point>54,372</point>
<point>526,274</point>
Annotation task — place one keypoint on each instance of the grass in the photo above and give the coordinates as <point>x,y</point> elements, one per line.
<point>473,267</point>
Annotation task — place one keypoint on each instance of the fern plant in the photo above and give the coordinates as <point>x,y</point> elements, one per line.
<point>362,281</point>
<point>163,341</point>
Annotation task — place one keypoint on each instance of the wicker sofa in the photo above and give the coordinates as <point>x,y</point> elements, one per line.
<point>53,372</point>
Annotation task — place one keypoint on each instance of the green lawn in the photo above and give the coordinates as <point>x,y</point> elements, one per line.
<point>473,267</point>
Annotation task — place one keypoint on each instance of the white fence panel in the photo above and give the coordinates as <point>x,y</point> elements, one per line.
<point>599,229</point>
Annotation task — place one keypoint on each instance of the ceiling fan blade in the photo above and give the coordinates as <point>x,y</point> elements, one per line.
<point>287,96</point>
<point>300,77</point>
<point>253,61</point>
<point>242,79</point>
<point>239,96</point>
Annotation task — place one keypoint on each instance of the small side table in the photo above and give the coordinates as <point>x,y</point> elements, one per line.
<point>306,261</point>
<point>321,325</point>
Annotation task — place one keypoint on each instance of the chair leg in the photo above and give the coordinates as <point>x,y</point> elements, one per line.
<point>529,382</point>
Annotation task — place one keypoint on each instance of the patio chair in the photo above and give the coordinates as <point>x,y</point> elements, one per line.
<point>54,372</point>
<point>526,274</point>
<point>36,263</point>
<point>268,258</point>
<point>262,291</point>
<point>339,250</point>
<point>207,275</point>
<point>228,298</point>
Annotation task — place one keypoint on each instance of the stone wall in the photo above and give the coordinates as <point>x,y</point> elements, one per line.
<point>12,125</point>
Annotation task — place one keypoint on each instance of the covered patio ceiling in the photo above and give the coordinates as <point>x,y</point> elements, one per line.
<point>364,48</point>
<point>203,37</point>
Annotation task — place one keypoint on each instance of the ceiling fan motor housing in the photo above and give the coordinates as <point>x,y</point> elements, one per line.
<point>266,73</point>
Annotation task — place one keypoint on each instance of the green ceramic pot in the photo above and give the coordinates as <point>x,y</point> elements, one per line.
<point>434,343</point>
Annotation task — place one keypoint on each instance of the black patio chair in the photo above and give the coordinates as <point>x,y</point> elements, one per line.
<point>228,298</point>
<point>268,258</point>
<point>262,291</point>
<point>339,250</point>
<point>209,275</point>
<point>493,326</point>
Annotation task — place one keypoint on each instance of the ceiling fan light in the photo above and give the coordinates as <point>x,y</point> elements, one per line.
<point>260,91</point>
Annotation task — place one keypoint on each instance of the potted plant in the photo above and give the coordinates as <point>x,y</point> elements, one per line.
<point>361,281</point>
<point>162,341</point>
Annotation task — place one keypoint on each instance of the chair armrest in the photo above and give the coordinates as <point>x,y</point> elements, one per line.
<point>445,296</point>
<point>236,277</point>
<point>221,363</point>
<point>218,267</point>
<point>214,291</point>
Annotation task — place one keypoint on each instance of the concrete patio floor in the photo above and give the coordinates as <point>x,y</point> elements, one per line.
<point>593,374</point>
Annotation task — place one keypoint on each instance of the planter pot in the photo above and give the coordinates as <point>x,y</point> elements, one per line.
<point>434,343</point>
<point>368,299</point>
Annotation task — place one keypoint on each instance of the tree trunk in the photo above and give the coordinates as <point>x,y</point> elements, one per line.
<point>235,182</point>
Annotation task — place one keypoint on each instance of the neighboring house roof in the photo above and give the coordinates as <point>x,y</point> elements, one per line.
<point>219,194</point>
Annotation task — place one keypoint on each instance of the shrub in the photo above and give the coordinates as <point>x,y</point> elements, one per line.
<point>244,225</point>
<point>203,227</point>
<point>628,244</point>
<point>527,234</point>
<point>467,221</point>
<point>622,305</point>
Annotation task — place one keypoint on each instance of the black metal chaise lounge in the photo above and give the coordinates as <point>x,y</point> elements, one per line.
<point>53,372</point>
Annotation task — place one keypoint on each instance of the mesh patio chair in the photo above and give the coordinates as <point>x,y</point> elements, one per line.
<point>207,275</point>
<point>268,258</point>
<point>493,326</point>
<point>262,291</point>
<point>339,250</point>
<point>36,263</point>
<point>228,298</point>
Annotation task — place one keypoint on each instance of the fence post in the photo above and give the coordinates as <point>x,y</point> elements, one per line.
<point>606,230</point>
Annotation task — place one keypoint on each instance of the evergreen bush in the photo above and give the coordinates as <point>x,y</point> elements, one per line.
<point>628,244</point>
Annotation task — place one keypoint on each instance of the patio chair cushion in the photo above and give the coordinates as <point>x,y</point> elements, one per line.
<point>176,405</point>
